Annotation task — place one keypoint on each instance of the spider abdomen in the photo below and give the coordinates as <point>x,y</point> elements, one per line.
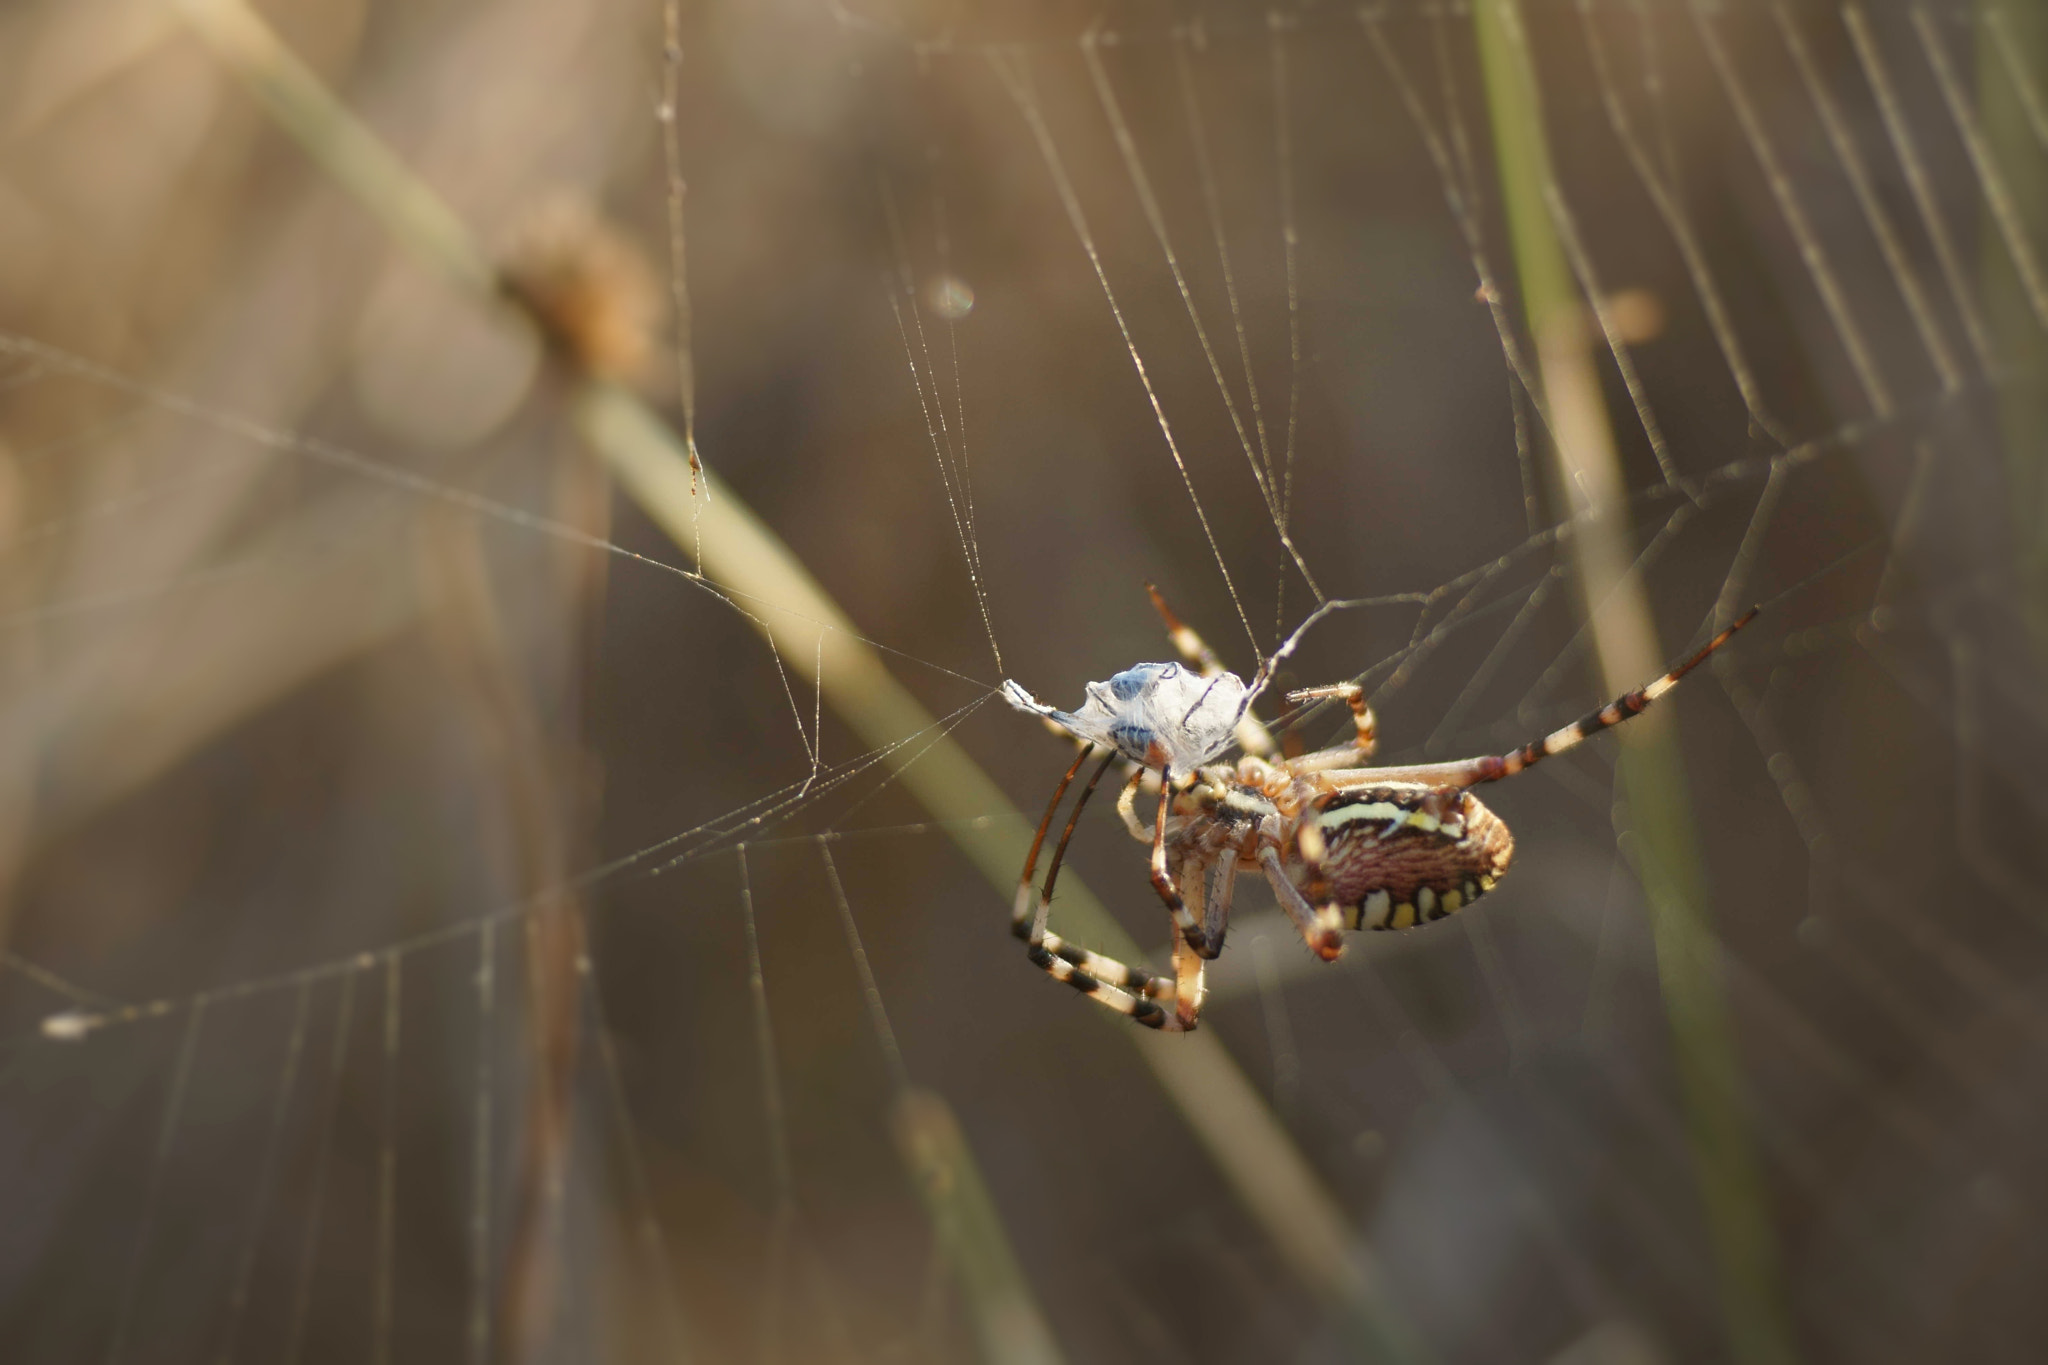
<point>1403,854</point>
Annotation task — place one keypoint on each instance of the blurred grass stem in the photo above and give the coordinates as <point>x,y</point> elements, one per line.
<point>2012,108</point>
<point>1588,483</point>
<point>1249,1146</point>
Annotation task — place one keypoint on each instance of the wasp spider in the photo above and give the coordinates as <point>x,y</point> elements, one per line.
<point>1342,844</point>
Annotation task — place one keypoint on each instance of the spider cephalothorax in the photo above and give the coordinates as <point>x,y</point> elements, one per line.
<point>1343,845</point>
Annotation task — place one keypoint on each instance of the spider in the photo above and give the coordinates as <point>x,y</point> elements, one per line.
<point>1342,844</point>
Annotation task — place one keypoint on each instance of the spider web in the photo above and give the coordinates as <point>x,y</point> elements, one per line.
<point>441,927</point>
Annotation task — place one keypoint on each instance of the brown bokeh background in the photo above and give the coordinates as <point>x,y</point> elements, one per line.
<point>263,713</point>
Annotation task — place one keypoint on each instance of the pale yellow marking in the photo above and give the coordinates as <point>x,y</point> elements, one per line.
<point>1118,999</point>
<point>1425,901</point>
<point>1454,901</point>
<point>1423,820</point>
<point>1368,810</point>
<point>1314,848</point>
<point>1377,906</point>
<point>1106,970</point>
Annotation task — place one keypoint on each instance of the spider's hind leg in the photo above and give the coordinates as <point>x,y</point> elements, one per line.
<point>1188,986</point>
<point>1470,772</point>
<point>1321,930</point>
<point>1625,707</point>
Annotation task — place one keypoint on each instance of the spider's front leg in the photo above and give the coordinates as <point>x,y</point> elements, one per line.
<point>1366,725</point>
<point>1103,979</point>
<point>1192,930</point>
<point>1109,982</point>
<point>1127,805</point>
<point>1252,735</point>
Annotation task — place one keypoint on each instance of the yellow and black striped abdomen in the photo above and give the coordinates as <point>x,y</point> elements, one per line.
<point>1402,854</point>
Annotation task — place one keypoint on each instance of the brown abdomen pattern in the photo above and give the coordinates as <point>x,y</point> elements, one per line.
<point>1403,854</point>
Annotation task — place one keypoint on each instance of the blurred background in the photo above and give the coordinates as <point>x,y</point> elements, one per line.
<point>438,925</point>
